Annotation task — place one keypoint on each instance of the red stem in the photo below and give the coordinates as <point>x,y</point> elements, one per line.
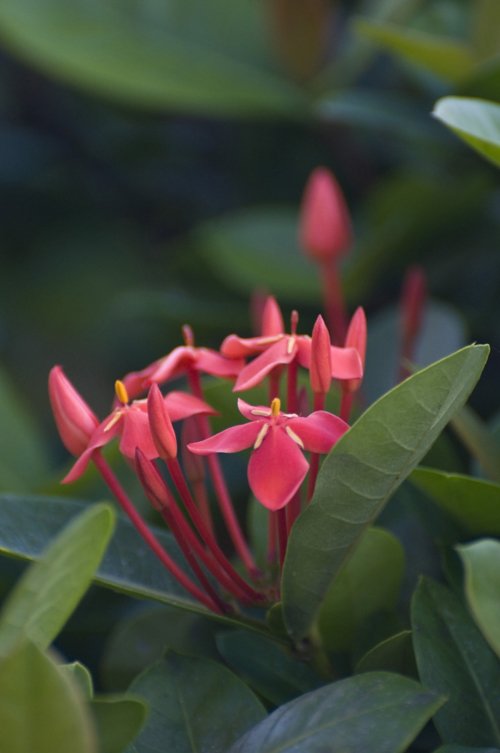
<point>292,401</point>
<point>334,302</point>
<point>318,404</point>
<point>139,523</point>
<point>346,405</point>
<point>282,533</point>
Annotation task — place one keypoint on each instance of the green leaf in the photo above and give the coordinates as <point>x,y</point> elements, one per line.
<point>368,584</point>
<point>40,708</point>
<point>482,587</point>
<point>479,440</point>
<point>379,712</point>
<point>118,721</point>
<point>454,659</point>
<point>49,590</point>
<point>486,28</point>
<point>472,503</point>
<point>252,248</point>
<point>81,676</point>
<point>441,56</point>
<point>394,654</point>
<point>269,668</point>
<point>361,473</point>
<point>143,638</point>
<point>465,749</point>
<point>210,58</point>
<point>28,523</point>
<point>195,704</point>
<point>475,121</point>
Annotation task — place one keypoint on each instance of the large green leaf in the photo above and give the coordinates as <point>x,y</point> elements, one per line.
<point>118,720</point>
<point>465,749</point>
<point>454,659</point>
<point>195,705</point>
<point>28,523</point>
<point>472,503</point>
<point>368,584</point>
<point>446,58</point>
<point>394,654</point>
<point>379,712</point>
<point>271,669</point>
<point>208,57</point>
<point>482,587</point>
<point>50,589</point>
<point>363,470</point>
<point>476,121</point>
<point>40,707</point>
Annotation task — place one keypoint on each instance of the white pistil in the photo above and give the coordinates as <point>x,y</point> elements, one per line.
<point>261,412</point>
<point>260,436</point>
<point>294,436</point>
<point>290,345</point>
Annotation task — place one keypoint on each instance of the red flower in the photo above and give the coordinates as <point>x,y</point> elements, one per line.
<point>277,466</point>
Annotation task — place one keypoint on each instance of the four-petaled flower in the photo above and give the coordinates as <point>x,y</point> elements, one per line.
<point>277,466</point>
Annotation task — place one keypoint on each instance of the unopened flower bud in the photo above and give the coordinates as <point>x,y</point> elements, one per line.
<point>320,372</point>
<point>151,481</point>
<point>75,420</point>
<point>160,425</point>
<point>325,227</point>
<point>356,338</point>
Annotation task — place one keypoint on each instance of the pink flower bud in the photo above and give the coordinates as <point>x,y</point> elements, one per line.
<point>356,338</point>
<point>151,480</point>
<point>160,425</point>
<point>320,372</point>
<point>75,421</point>
<point>272,321</point>
<point>325,227</point>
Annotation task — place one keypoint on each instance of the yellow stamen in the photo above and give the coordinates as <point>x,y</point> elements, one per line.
<point>294,436</point>
<point>121,392</point>
<point>260,436</point>
<point>261,412</point>
<point>275,407</point>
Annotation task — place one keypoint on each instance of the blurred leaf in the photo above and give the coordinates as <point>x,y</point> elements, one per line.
<point>258,248</point>
<point>143,638</point>
<point>483,81</point>
<point>476,121</point>
<point>465,749</point>
<point>49,590</point>
<point>474,504</point>
<point>394,654</point>
<point>368,583</point>
<point>486,27</point>
<point>23,458</point>
<point>195,704</point>
<point>209,58</point>
<point>118,721</point>
<point>269,668</point>
<point>479,440</point>
<point>40,707</point>
<point>453,659</point>
<point>481,561</point>
<point>442,56</point>
<point>362,471</point>
<point>80,676</point>
<point>129,566</point>
<point>379,712</point>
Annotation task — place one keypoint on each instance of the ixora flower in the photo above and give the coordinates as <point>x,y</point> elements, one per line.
<point>279,348</point>
<point>129,421</point>
<point>277,466</point>
<point>75,420</point>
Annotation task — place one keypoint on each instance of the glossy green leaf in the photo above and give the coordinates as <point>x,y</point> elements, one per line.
<point>195,704</point>
<point>446,58</point>
<point>454,659</point>
<point>361,473</point>
<point>481,561</point>
<point>368,584</point>
<point>252,248</point>
<point>465,749</point>
<point>472,503</point>
<point>394,654</point>
<point>142,639</point>
<point>475,121</point>
<point>28,523</point>
<point>118,721</point>
<point>40,707</point>
<point>379,712</point>
<point>268,667</point>
<point>479,439</point>
<point>49,590</point>
<point>182,54</point>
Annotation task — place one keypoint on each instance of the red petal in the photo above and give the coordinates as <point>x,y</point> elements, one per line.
<point>211,362</point>
<point>99,438</point>
<point>136,433</point>
<point>181,405</point>
<point>346,363</point>
<point>172,365</point>
<point>240,347</point>
<point>319,431</point>
<point>247,410</point>
<point>261,366</point>
<point>234,439</point>
<point>276,469</point>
